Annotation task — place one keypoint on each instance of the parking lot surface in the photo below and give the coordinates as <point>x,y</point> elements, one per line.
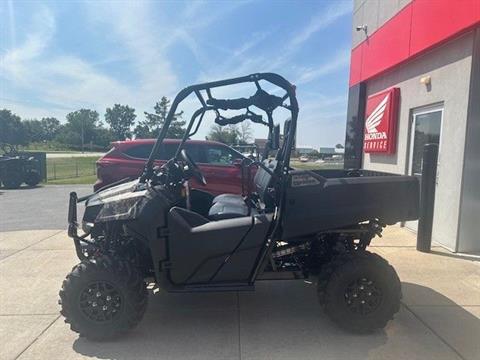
<point>439,317</point>
<point>42,207</point>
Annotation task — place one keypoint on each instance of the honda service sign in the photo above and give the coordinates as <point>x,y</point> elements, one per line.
<point>381,122</point>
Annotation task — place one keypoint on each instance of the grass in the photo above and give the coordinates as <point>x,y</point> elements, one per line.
<point>71,170</point>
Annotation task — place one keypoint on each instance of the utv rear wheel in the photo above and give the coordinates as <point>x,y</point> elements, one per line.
<point>12,180</point>
<point>32,178</point>
<point>103,298</point>
<point>360,291</point>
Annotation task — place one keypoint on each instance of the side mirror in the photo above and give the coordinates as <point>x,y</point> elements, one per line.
<point>275,141</point>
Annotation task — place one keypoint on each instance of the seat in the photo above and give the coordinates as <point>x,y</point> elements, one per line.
<point>225,210</point>
<point>229,206</point>
<point>228,198</point>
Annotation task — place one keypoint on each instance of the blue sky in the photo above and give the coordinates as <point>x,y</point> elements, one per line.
<point>59,56</point>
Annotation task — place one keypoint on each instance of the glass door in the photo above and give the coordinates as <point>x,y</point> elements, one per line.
<point>426,129</point>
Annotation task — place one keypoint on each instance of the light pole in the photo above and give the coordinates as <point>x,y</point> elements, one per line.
<point>83,124</point>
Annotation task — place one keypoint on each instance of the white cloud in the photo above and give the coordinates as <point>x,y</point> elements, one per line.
<point>339,61</point>
<point>11,22</point>
<point>257,38</point>
<point>65,82</point>
<point>14,64</point>
<point>69,82</point>
<point>29,110</point>
<point>207,13</point>
<point>321,20</point>
<point>143,40</point>
<point>244,62</point>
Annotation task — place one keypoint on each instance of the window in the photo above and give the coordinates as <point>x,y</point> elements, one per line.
<point>140,151</point>
<point>167,151</point>
<point>219,155</point>
<point>425,130</point>
<point>194,152</point>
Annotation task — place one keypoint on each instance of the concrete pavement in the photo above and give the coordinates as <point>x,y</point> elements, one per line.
<point>439,318</point>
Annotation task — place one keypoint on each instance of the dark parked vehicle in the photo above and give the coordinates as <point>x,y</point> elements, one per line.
<point>220,164</point>
<point>16,169</point>
<point>293,225</point>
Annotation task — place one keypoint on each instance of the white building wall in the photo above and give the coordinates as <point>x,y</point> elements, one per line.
<point>449,67</point>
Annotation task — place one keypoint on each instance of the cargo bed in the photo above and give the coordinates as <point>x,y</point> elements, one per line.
<point>319,200</point>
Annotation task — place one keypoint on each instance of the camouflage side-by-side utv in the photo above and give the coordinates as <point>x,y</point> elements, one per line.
<point>294,224</point>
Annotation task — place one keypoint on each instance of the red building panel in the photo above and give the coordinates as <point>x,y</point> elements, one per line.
<point>356,65</point>
<point>436,21</point>
<point>418,27</point>
<point>384,49</point>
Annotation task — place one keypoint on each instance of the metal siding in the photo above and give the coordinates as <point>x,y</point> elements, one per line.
<point>449,67</point>
<point>469,219</point>
<point>419,26</point>
<point>435,21</point>
<point>384,49</point>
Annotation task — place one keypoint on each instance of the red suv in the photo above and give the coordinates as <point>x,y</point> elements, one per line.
<point>220,164</point>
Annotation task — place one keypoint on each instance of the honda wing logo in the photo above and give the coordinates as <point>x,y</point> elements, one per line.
<point>381,111</point>
<point>376,116</point>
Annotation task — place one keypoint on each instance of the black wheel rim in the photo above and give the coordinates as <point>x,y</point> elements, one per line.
<point>363,296</point>
<point>100,301</point>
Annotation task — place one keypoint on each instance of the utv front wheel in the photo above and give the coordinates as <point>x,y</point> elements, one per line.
<point>103,298</point>
<point>360,291</point>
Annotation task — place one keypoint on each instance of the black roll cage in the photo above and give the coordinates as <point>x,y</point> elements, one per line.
<point>261,99</point>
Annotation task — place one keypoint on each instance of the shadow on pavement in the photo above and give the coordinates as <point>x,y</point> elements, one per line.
<point>447,319</point>
<point>279,320</point>
<point>282,320</point>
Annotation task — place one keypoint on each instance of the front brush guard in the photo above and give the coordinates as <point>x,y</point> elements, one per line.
<point>73,226</point>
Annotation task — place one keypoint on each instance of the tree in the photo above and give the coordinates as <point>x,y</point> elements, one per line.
<point>245,133</point>
<point>33,130</point>
<point>339,146</point>
<point>142,131</point>
<point>11,128</point>
<point>80,127</point>
<point>150,127</point>
<point>40,130</point>
<point>50,127</point>
<point>103,137</point>
<point>226,134</point>
<point>121,119</point>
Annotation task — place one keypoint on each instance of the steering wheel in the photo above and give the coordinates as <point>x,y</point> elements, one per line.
<point>197,174</point>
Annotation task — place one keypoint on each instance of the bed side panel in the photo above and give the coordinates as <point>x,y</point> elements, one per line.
<point>315,203</point>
